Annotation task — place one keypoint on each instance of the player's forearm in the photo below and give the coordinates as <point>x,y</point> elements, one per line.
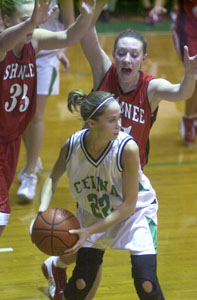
<point>67,12</point>
<point>77,30</point>
<point>120,214</point>
<point>99,7</point>
<point>46,194</point>
<point>187,86</point>
<point>13,35</point>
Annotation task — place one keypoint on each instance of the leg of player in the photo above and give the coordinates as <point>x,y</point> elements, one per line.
<point>187,127</point>
<point>54,270</point>
<point>33,140</point>
<point>8,163</point>
<point>195,117</point>
<point>1,229</point>
<point>86,275</point>
<point>95,286</point>
<point>34,135</point>
<point>145,277</point>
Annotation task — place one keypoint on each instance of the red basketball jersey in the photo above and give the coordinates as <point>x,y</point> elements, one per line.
<point>18,79</point>
<point>137,118</point>
<point>186,20</point>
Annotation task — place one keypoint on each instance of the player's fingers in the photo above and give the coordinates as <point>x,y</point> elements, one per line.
<point>186,50</point>
<point>65,62</point>
<point>74,231</point>
<point>72,250</point>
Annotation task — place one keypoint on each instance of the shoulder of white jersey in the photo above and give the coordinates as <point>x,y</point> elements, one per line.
<point>124,138</point>
<point>74,138</point>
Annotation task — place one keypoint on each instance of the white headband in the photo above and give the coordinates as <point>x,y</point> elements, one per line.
<point>101,104</point>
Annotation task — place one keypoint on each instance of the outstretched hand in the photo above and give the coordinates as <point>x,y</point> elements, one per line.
<point>41,12</point>
<point>190,62</point>
<point>83,234</point>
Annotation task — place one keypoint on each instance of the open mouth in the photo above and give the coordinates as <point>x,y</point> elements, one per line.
<point>126,71</point>
<point>29,35</point>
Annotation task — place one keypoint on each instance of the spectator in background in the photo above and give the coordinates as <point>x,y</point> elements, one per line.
<point>185,33</point>
<point>151,17</point>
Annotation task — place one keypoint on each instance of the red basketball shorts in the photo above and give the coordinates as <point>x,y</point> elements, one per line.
<point>9,153</point>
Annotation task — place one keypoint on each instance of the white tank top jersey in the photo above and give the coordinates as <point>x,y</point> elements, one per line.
<point>97,184</point>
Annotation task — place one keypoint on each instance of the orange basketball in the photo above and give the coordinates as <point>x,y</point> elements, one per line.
<point>50,231</point>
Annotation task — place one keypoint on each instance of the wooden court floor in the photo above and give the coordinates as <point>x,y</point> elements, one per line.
<point>172,170</point>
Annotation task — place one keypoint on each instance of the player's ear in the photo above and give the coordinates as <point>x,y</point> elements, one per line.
<point>6,20</point>
<point>91,123</point>
<point>144,57</point>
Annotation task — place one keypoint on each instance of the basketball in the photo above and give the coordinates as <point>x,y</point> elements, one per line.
<point>50,231</point>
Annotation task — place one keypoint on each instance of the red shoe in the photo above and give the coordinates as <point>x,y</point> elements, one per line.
<point>187,129</point>
<point>56,277</point>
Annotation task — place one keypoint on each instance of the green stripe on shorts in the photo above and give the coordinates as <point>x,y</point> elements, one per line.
<point>153,231</point>
<point>53,77</point>
<point>141,188</point>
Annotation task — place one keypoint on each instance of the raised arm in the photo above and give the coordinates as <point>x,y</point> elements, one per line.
<point>97,58</point>
<point>47,40</point>
<point>161,89</point>
<point>1,23</point>
<point>14,35</point>
<point>67,16</point>
<point>51,182</point>
<point>130,185</point>
<point>67,12</point>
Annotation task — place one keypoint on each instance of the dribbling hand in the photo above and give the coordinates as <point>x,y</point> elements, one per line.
<point>83,234</point>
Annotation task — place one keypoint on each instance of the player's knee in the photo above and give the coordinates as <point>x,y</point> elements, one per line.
<point>76,289</point>
<point>145,278</point>
<point>147,286</point>
<point>146,290</point>
<point>84,274</point>
<point>80,284</point>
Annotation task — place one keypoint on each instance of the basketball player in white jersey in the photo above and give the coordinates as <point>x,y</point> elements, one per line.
<point>117,206</point>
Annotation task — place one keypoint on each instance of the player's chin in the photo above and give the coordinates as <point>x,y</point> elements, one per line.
<point>27,41</point>
<point>28,38</point>
<point>115,135</point>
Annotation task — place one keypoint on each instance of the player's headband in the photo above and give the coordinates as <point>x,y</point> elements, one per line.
<point>100,105</point>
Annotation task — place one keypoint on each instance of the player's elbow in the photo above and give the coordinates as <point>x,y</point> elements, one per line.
<point>129,209</point>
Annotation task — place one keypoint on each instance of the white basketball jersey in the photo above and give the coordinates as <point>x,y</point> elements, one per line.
<point>97,184</point>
